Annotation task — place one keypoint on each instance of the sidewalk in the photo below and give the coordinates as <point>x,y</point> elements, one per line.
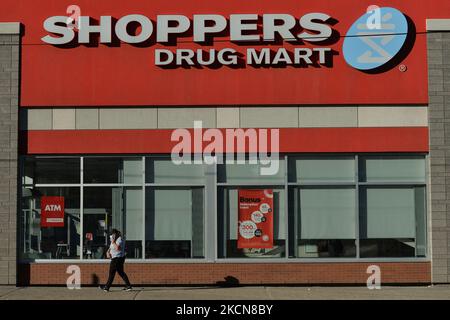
<point>440,292</point>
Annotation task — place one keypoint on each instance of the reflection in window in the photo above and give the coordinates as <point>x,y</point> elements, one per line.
<point>251,173</point>
<point>322,169</point>
<point>228,226</point>
<point>51,170</point>
<point>174,223</point>
<point>41,242</point>
<point>113,170</point>
<point>107,208</point>
<point>373,169</point>
<point>160,170</point>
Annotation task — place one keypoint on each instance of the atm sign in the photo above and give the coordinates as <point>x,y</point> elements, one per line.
<point>52,212</point>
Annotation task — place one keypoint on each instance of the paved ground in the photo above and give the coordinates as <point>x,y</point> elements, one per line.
<point>441,292</point>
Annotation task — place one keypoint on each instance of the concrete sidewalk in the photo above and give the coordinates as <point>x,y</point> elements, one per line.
<point>440,292</point>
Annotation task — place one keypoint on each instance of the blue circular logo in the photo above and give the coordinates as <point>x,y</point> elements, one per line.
<point>375,38</point>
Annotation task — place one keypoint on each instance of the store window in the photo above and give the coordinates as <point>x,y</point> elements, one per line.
<point>323,169</point>
<point>249,174</point>
<point>231,217</point>
<point>392,207</point>
<point>392,169</point>
<point>164,171</point>
<point>113,170</point>
<point>107,208</point>
<point>392,222</point>
<point>51,223</point>
<point>174,209</point>
<point>322,204</point>
<point>313,206</point>
<point>174,222</point>
<point>51,171</point>
<point>326,222</point>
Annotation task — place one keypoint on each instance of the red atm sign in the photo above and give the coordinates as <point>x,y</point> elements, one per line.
<point>52,212</point>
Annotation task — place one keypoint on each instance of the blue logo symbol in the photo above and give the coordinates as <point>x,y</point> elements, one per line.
<point>371,43</point>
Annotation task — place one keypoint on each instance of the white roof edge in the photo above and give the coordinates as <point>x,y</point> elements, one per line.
<point>438,24</point>
<point>9,27</point>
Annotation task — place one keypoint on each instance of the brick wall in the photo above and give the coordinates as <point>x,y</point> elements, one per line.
<point>439,124</point>
<point>246,273</point>
<point>9,93</point>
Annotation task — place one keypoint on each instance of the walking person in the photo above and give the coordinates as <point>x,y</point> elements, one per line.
<point>116,252</point>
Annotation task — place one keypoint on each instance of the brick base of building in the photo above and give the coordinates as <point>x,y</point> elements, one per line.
<point>242,273</point>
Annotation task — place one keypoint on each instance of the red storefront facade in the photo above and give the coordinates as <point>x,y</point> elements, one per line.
<point>356,180</point>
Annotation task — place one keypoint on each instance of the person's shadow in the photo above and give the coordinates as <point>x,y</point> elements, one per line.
<point>95,280</point>
<point>229,282</point>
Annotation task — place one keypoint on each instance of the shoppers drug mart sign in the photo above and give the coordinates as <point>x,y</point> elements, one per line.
<point>197,53</point>
<point>372,41</point>
<point>239,28</point>
<point>376,38</point>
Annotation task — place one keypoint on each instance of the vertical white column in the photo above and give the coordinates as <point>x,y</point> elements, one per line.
<point>81,208</point>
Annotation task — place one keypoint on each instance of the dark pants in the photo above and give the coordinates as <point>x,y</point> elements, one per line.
<point>117,266</point>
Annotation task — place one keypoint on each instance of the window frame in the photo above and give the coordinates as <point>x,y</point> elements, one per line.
<point>358,185</point>
<point>210,219</point>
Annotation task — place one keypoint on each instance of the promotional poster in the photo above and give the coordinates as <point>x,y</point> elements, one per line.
<point>255,219</point>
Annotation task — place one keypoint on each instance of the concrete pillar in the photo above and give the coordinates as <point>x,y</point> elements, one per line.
<point>9,101</point>
<point>439,123</point>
